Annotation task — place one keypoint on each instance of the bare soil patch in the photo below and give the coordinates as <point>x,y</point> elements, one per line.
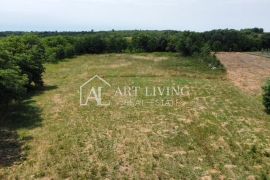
<point>246,71</point>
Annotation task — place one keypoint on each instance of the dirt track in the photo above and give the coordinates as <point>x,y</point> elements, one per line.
<point>248,72</point>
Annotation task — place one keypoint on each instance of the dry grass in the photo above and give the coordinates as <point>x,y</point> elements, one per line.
<point>216,132</point>
<point>246,71</point>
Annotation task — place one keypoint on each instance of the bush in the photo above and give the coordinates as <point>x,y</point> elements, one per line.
<point>213,62</point>
<point>27,53</point>
<point>141,43</point>
<point>116,44</point>
<point>94,44</point>
<point>210,59</point>
<point>205,50</point>
<point>12,82</point>
<point>266,40</point>
<point>171,44</point>
<point>162,43</point>
<point>21,66</point>
<point>12,85</point>
<point>190,43</point>
<point>59,47</point>
<point>266,96</point>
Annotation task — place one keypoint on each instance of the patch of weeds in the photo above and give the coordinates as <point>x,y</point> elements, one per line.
<point>180,139</point>
<point>103,171</point>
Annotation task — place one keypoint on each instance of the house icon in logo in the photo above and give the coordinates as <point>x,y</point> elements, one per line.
<point>90,92</point>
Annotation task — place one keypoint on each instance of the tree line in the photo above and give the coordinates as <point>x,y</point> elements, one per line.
<point>22,55</point>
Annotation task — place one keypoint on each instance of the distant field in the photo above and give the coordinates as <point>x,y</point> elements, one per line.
<point>218,131</point>
<point>264,54</point>
<point>247,71</point>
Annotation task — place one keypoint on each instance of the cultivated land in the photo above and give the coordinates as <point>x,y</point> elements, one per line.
<point>246,71</point>
<point>263,53</point>
<point>218,131</point>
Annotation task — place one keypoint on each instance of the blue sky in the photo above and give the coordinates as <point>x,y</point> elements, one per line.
<point>77,15</point>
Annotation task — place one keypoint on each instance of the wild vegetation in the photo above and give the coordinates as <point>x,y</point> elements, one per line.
<point>263,53</point>
<point>217,131</point>
<point>266,96</point>
<point>20,66</point>
<point>22,56</point>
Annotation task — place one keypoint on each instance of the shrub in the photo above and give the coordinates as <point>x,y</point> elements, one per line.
<point>266,96</point>
<point>116,44</point>
<point>140,42</point>
<point>210,59</point>
<point>59,47</point>
<point>94,44</point>
<point>27,53</point>
<point>12,85</point>
<point>213,62</point>
<point>205,50</point>
<point>12,82</point>
<point>190,43</point>
<point>21,66</point>
<point>171,44</point>
<point>266,40</point>
<point>162,43</point>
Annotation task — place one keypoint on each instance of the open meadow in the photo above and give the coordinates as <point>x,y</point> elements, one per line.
<point>134,89</point>
<point>216,130</point>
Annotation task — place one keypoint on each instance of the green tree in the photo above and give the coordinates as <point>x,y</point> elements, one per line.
<point>12,85</point>
<point>190,43</point>
<point>266,96</point>
<point>12,82</point>
<point>116,44</point>
<point>28,53</point>
<point>266,41</point>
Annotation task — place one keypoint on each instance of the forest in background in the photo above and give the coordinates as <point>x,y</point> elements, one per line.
<point>22,54</point>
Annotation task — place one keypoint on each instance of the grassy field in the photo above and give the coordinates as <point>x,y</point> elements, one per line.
<point>217,131</point>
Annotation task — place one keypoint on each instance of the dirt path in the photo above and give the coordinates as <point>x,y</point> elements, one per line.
<point>246,71</point>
